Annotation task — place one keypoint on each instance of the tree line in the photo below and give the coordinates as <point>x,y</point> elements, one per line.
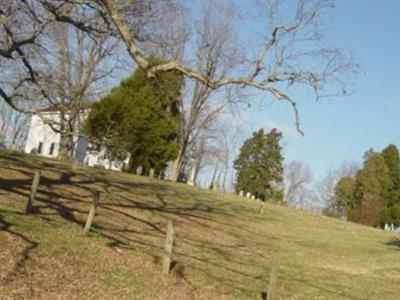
<point>140,118</point>
<point>372,195</point>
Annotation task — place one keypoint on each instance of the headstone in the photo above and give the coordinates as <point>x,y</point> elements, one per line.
<point>253,197</point>
<point>151,173</point>
<point>139,170</point>
<point>81,149</point>
<point>241,193</point>
<point>248,195</point>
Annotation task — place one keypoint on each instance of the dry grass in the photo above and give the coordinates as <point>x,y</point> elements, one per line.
<point>224,248</point>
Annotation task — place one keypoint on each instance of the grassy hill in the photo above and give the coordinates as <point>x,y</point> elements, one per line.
<point>224,248</point>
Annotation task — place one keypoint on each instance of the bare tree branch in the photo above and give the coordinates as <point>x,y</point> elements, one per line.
<point>293,51</point>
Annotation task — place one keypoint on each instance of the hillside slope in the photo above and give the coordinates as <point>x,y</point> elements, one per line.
<point>224,247</point>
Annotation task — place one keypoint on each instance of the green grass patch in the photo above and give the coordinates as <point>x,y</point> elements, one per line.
<point>224,247</point>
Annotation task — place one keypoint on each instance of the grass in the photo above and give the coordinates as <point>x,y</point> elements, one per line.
<point>224,249</point>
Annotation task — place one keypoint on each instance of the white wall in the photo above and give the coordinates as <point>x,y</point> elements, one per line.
<point>94,158</point>
<point>40,132</point>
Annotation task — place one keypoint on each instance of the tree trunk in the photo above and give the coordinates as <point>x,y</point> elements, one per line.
<point>193,172</point>
<point>174,167</point>
<point>64,151</point>
<point>16,134</point>
<point>213,182</point>
<point>131,167</point>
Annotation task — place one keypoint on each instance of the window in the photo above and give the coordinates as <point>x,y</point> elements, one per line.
<point>51,148</point>
<point>40,148</point>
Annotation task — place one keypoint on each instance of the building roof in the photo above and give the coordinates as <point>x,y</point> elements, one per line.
<point>65,107</point>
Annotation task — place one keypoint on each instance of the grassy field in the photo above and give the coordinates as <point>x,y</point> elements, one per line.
<point>224,248</point>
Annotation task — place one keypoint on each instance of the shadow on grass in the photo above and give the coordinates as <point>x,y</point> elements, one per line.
<point>394,243</point>
<point>328,287</point>
<point>23,256</point>
<point>67,194</point>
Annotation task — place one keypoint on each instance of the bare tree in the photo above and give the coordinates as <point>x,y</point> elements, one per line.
<point>216,53</point>
<point>298,176</point>
<point>75,73</point>
<point>277,63</point>
<point>54,64</point>
<point>13,127</point>
<point>302,192</point>
<point>218,150</point>
<point>325,188</point>
<point>201,153</point>
<point>292,51</point>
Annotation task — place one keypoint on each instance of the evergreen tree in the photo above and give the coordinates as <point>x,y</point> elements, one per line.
<point>372,183</point>
<point>391,211</point>
<point>373,196</point>
<point>259,166</point>
<point>139,117</point>
<point>345,195</point>
<point>392,160</point>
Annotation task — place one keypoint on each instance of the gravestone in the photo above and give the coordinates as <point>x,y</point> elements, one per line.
<point>241,193</point>
<point>151,173</point>
<point>139,170</point>
<point>81,149</point>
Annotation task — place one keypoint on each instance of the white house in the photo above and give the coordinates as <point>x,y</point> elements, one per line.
<point>43,140</point>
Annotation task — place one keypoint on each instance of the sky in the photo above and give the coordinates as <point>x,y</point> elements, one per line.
<point>343,128</point>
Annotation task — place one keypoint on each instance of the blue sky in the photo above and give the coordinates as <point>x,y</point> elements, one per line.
<point>342,129</point>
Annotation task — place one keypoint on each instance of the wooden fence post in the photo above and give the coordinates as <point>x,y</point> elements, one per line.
<point>262,209</point>
<point>272,279</point>
<point>169,243</point>
<point>92,212</point>
<point>35,184</point>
